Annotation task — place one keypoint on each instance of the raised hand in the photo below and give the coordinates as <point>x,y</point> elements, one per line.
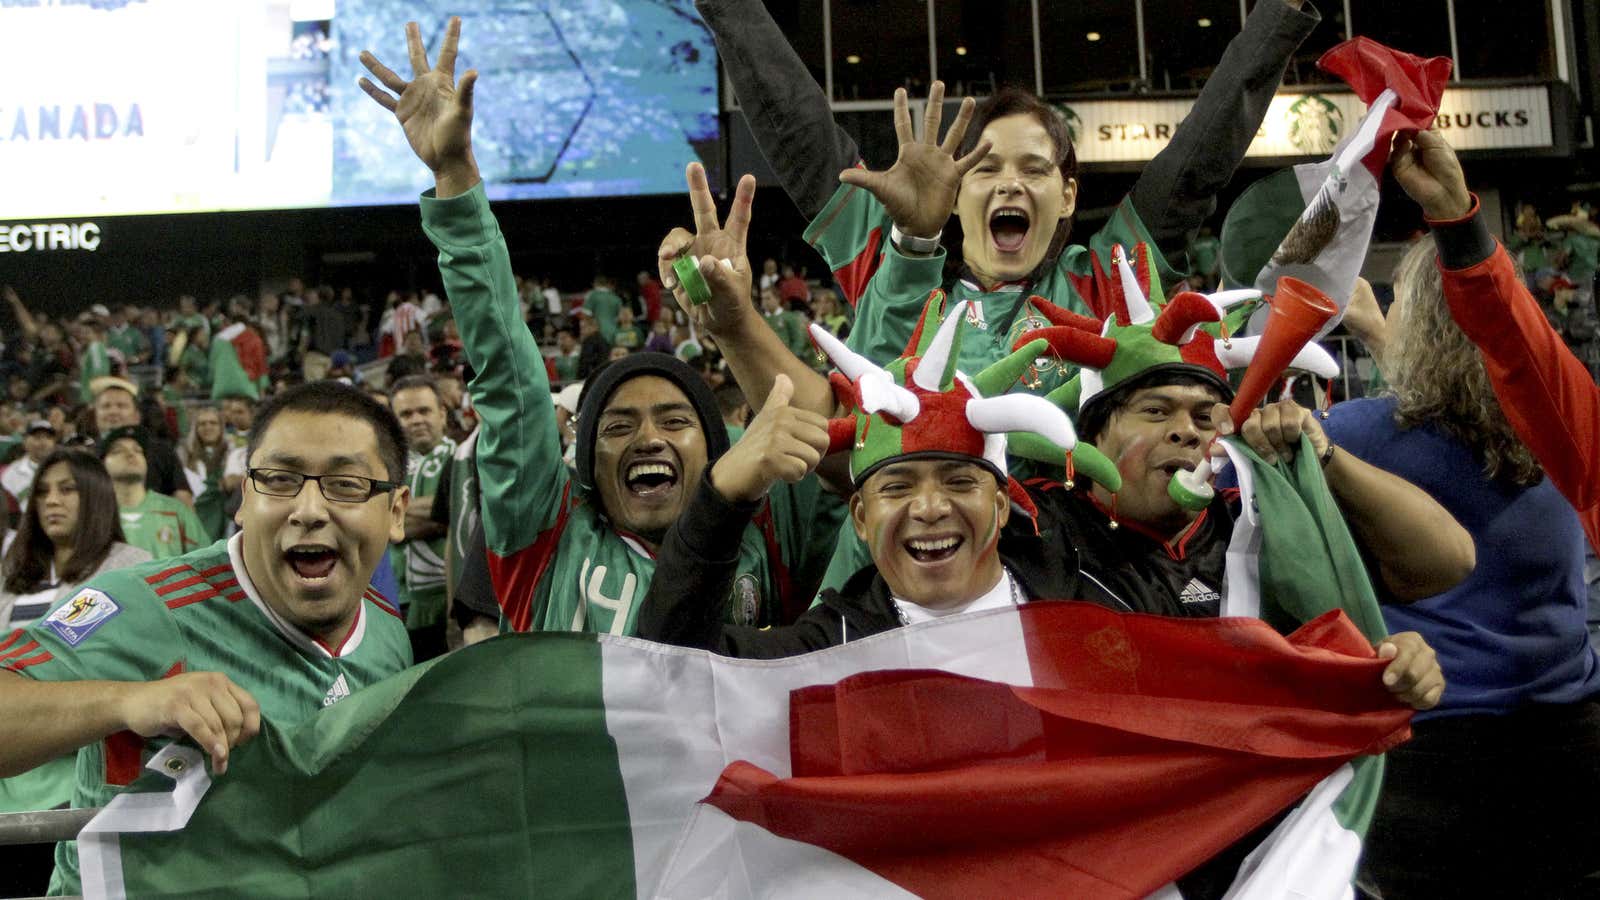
<point>1274,430</point>
<point>709,244</point>
<point>782,443</point>
<point>919,190</point>
<point>1427,170</point>
<point>218,714</point>
<point>434,110</point>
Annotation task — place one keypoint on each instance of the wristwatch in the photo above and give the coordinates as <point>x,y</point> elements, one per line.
<point>919,246</point>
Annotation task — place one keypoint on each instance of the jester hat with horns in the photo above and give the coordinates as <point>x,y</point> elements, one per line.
<point>1146,334</point>
<point>919,406</point>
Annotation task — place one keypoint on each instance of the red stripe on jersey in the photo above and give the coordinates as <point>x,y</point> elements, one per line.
<point>29,647</point>
<point>163,576</point>
<point>516,577</point>
<point>218,570</point>
<point>20,664</point>
<point>235,596</point>
<point>196,597</point>
<point>387,608</point>
<point>180,585</point>
<point>854,275</point>
<point>11,640</point>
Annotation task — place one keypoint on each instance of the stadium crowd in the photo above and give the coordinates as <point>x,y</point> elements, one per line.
<point>735,456</point>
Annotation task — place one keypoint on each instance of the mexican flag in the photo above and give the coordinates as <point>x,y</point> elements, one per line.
<point>238,363</point>
<point>1314,221</point>
<point>1049,750</point>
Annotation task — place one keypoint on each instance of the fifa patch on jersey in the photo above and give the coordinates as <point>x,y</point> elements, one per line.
<point>78,618</point>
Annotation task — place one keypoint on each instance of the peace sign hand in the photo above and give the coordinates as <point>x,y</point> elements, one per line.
<point>919,190</point>
<point>434,110</point>
<point>719,250</point>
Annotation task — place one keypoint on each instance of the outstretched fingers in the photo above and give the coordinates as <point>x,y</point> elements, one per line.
<point>419,56</point>
<point>958,128</point>
<point>378,94</point>
<point>738,224</point>
<point>700,199</point>
<point>965,163</point>
<point>447,52</point>
<point>383,73</point>
<point>902,117</point>
<point>464,91</point>
<point>933,113</point>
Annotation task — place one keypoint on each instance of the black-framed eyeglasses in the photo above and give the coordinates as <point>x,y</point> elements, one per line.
<point>338,488</point>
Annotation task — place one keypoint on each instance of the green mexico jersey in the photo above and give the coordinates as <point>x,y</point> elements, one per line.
<point>162,525</point>
<point>888,288</point>
<point>556,561</point>
<point>93,363</point>
<point>129,341</point>
<point>422,580</point>
<point>196,613</point>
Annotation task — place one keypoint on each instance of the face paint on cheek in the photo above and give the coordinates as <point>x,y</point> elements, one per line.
<point>1135,454</point>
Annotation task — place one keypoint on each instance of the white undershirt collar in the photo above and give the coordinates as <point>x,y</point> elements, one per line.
<point>1006,592</point>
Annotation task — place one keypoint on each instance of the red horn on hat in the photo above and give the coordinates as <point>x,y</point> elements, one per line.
<point>1182,312</point>
<point>1085,348</point>
<point>841,434</point>
<point>1060,316</point>
<point>1298,312</point>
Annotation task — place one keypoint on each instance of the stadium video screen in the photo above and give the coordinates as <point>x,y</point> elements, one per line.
<point>114,107</point>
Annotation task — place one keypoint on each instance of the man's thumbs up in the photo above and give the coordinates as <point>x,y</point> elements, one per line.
<point>782,443</point>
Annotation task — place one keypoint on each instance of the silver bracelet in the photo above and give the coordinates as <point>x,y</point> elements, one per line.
<point>919,246</point>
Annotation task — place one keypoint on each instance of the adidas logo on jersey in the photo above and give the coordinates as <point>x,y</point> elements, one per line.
<point>1196,591</point>
<point>339,691</point>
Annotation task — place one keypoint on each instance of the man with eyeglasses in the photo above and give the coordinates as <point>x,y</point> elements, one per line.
<point>278,621</point>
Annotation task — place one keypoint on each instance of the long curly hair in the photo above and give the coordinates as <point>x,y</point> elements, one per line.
<point>1437,376</point>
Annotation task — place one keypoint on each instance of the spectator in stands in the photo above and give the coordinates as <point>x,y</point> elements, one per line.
<point>116,406</point>
<point>327,326</point>
<point>660,340</point>
<point>646,431</point>
<point>769,275</point>
<point>593,349</point>
<point>566,356</point>
<point>411,360</point>
<point>38,442</point>
<point>205,452</point>
<point>193,347</point>
<point>734,408</point>
<point>1498,794</point>
<point>418,404</point>
<point>825,311</point>
<point>265,626</point>
<point>151,521</point>
<point>552,298</point>
<point>650,295</point>
<point>93,361</point>
<point>125,338</point>
<point>150,326</point>
<point>602,305</point>
<point>69,533</point>
<point>789,325</point>
<point>793,288</point>
<point>630,335</point>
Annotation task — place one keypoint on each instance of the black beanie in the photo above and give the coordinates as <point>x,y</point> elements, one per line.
<point>605,381</point>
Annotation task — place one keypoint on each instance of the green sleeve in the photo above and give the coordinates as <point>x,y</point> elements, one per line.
<point>893,301</point>
<point>850,234</point>
<point>522,480</point>
<point>111,629</point>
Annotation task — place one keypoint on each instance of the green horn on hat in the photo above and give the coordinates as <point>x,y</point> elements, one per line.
<point>1087,460</point>
<point>998,377</point>
<point>1067,395</point>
